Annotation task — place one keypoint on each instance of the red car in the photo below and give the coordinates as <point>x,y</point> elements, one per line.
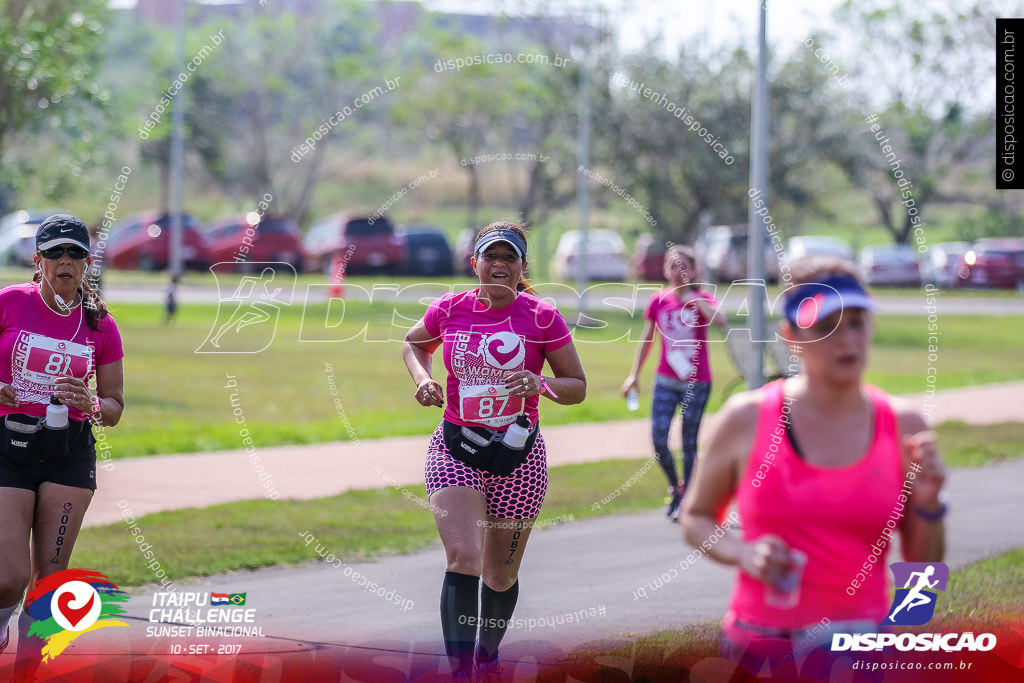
<point>246,238</point>
<point>363,243</point>
<point>648,263</point>
<point>993,263</point>
<point>143,242</point>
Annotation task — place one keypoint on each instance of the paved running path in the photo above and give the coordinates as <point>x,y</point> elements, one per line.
<point>156,483</point>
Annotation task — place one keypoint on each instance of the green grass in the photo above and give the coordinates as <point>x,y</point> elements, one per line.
<point>964,445</point>
<point>177,400</point>
<point>367,523</point>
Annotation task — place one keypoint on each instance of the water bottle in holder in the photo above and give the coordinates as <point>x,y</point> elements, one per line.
<point>516,435</point>
<point>56,414</point>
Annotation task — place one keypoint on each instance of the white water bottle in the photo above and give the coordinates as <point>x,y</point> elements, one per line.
<point>633,399</point>
<point>516,435</point>
<point>56,414</point>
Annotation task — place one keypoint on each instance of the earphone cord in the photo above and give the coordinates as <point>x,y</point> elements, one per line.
<point>59,300</point>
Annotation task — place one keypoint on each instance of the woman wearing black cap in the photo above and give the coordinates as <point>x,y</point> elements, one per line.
<point>824,469</point>
<point>484,495</point>
<point>55,336</point>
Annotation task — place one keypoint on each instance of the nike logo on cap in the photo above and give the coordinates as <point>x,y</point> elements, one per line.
<point>63,230</point>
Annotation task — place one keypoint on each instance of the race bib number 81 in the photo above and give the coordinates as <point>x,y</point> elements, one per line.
<point>48,358</point>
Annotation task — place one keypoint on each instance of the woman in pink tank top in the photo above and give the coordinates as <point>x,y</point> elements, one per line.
<point>824,470</point>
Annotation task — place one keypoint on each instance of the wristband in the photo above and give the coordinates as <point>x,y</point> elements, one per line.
<point>544,387</point>
<point>936,516</point>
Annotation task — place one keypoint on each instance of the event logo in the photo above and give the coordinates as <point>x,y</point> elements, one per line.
<point>914,603</point>
<point>503,350</point>
<point>69,604</point>
<point>247,320</point>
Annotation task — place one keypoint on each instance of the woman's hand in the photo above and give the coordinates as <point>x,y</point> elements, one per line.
<point>929,471</point>
<point>766,559</point>
<point>8,396</point>
<point>630,383</point>
<point>523,384</point>
<point>74,392</point>
<point>430,393</point>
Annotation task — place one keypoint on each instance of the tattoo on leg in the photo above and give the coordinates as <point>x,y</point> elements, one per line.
<point>65,517</point>
<point>515,543</point>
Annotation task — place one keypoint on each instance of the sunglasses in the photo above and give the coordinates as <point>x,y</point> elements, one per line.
<point>53,253</point>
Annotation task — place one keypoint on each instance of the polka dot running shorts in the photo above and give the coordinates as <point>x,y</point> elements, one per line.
<point>517,496</point>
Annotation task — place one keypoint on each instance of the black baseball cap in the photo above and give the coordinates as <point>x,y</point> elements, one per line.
<point>62,228</point>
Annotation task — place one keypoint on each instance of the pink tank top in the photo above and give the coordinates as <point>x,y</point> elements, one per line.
<point>834,515</point>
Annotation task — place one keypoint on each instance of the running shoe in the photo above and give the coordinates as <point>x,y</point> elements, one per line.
<point>676,496</point>
<point>461,677</point>
<point>489,672</point>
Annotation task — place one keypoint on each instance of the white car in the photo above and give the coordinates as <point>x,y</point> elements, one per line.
<point>18,235</point>
<point>817,245</point>
<point>890,265</point>
<point>605,256</point>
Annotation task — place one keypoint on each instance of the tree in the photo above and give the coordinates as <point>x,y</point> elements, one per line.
<point>680,135</point>
<point>51,52</point>
<point>264,106</point>
<point>462,107</point>
<point>923,66</point>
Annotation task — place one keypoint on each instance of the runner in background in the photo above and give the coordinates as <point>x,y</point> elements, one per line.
<point>823,467</point>
<point>496,340</point>
<point>680,315</point>
<point>55,337</point>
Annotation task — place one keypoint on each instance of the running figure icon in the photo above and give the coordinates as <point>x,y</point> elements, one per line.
<point>254,312</point>
<point>916,596</point>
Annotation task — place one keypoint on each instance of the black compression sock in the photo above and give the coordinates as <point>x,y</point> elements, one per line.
<point>460,603</point>
<point>495,612</point>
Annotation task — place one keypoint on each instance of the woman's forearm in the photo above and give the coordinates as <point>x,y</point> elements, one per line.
<point>418,361</point>
<point>570,390</point>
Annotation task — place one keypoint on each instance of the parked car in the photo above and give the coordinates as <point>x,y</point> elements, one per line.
<point>893,265</point>
<point>722,252</point>
<point>821,245</point>
<point>363,243</point>
<point>605,257</point>
<point>941,263</point>
<point>463,251</point>
<point>648,263</point>
<point>428,250</point>
<point>143,242</point>
<point>270,238</point>
<point>994,263</point>
<point>18,235</point>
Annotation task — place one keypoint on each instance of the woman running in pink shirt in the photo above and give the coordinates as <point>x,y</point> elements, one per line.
<point>680,315</point>
<point>56,338</point>
<point>485,496</point>
<point>823,468</point>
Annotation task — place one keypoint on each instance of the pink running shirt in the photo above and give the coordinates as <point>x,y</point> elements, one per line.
<point>684,334</point>
<point>482,346</point>
<point>36,346</point>
<point>833,514</point>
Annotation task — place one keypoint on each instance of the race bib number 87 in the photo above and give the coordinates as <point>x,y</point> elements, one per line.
<point>489,404</point>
